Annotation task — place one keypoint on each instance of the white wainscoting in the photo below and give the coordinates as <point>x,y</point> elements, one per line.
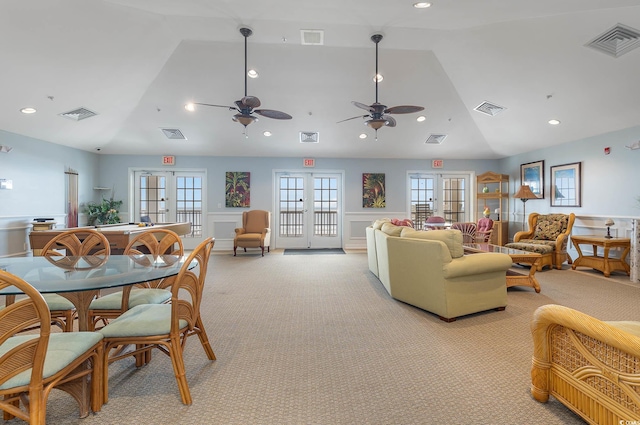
<point>14,233</point>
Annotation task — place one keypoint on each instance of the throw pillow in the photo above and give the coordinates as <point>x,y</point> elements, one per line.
<point>547,229</point>
<point>391,229</point>
<point>378,223</point>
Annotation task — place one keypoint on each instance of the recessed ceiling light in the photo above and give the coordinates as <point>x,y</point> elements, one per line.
<point>421,118</point>
<point>554,122</point>
<point>28,110</point>
<point>267,133</point>
<point>252,73</point>
<point>190,107</point>
<point>422,5</point>
<point>378,78</point>
<point>363,136</point>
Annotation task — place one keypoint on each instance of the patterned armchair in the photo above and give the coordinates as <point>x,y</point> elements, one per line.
<point>548,235</point>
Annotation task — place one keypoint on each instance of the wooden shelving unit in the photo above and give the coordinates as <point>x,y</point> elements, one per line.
<point>493,193</point>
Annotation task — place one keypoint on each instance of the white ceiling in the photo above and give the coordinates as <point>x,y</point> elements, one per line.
<point>137,62</point>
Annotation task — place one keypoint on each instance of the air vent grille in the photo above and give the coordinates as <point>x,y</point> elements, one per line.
<point>312,37</point>
<point>78,114</point>
<point>309,137</point>
<point>489,108</point>
<point>436,139</point>
<point>173,133</point>
<point>617,41</point>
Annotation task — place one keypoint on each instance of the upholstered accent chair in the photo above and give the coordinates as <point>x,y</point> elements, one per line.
<point>483,230</point>
<point>255,231</point>
<point>548,235</point>
<point>590,366</point>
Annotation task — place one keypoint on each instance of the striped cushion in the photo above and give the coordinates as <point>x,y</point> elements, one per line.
<point>64,348</point>
<point>142,320</point>
<point>136,297</point>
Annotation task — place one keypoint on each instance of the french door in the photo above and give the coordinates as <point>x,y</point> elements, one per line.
<point>308,210</point>
<point>444,195</point>
<point>171,196</point>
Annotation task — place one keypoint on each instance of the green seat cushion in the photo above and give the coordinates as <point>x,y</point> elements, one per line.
<point>137,297</point>
<point>58,302</point>
<point>142,320</point>
<point>64,348</point>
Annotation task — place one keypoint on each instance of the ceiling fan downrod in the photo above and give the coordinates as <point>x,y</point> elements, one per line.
<point>376,39</point>
<point>246,33</point>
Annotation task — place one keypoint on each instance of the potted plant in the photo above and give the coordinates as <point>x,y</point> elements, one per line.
<point>105,212</point>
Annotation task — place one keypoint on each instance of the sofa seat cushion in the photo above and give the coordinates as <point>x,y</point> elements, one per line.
<point>451,238</point>
<point>531,245</point>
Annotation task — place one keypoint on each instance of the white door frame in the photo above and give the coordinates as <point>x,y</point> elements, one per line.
<point>307,240</point>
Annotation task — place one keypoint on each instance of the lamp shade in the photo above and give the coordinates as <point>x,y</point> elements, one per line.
<point>609,222</point>
<point>525,193</point>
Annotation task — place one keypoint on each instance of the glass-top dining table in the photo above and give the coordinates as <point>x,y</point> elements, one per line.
<point>80,279</point>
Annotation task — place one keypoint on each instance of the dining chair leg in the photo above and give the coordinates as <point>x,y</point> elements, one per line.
<point>175,348</point>
<point>204,340</point>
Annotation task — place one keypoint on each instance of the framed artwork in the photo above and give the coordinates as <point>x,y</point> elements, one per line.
<point>532,175</point>
<point>565,185</point>
<point>237,190</point>
<point>373,195</point>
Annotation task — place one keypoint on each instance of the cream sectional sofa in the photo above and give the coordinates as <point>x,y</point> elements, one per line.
<point>428,269</point>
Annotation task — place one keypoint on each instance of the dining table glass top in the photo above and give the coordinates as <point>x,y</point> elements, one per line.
<point>72,274</point>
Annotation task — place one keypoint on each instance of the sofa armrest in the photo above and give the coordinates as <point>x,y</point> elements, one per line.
<point>528,234</point>
<point>590,364</point>
<point>239,230</point>
<point>472,264</point>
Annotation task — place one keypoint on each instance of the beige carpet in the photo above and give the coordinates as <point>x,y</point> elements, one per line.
<point>317,340</point>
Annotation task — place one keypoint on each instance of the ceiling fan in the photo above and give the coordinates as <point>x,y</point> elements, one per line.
<point>245,107</point>
<point>379,114</point>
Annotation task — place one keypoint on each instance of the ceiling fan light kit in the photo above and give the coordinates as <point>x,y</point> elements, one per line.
<point>245,107</point>
<point>379,114</point>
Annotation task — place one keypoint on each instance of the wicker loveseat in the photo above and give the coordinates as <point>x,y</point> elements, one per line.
<point>591,366</point>
<point>548,235</point>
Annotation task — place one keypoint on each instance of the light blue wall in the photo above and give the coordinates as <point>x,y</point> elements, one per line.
<point>609,182</point>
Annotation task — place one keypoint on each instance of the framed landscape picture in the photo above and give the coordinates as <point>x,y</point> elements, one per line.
<point>373,195</point>
<point>565,185</point>
<point>532,175</point>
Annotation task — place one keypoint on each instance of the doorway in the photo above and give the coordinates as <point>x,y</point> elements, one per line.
<point>171,196</point>
<point>444,195</point>
<point>308,210</point>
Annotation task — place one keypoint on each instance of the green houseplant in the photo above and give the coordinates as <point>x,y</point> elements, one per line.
<point>105,212</point>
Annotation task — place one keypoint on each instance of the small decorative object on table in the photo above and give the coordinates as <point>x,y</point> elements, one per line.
<point>609,223</point>
<point>485,189</point>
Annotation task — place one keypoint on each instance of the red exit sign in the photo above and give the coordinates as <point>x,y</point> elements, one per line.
<point>309,162</point>
<point>168,160</point>
<point>437,163</point>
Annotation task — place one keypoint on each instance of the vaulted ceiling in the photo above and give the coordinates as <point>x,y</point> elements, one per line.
<point>136,63</point>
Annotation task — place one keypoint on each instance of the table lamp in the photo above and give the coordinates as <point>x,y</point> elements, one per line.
<point>524,194</point>
<point>609,223</point>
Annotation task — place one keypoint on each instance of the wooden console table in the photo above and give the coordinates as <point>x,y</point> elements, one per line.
<point>602,263</point>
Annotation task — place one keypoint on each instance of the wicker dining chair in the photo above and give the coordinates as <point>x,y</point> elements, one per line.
<point>468,231</point>
<point>157,242</point>
<point>32,364</point>
<point>75,242</point>
<point>163,326</point>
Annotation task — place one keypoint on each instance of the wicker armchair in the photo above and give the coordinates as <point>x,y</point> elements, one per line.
<point>548,235</point>
<point>590,366</point>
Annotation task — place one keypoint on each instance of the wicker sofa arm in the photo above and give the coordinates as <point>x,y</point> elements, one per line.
<point>591,366</point>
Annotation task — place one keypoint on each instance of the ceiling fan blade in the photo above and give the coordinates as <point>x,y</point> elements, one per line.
<point>363,106</point>
<point>270,113</point>
<point>391,122</point>
<point>403,109</point>
<point>353,118</point>
<point>250,101</point>
<point>217,106</point>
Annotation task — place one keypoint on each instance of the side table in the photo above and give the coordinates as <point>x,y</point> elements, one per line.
<point>603,263</point>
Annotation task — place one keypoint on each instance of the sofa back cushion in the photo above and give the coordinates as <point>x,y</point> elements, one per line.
<point>378,223</point>
<point>451,238</point>
<point>550,226</point>
<point>392,229</point>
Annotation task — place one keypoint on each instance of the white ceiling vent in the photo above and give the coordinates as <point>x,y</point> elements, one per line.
<point>617,41</point>
<point>436,139</point>
<point>312,37</point>
<point>78,114</point>
<point>173,133</point>
<point>309,137</point>
<point>489,108</point>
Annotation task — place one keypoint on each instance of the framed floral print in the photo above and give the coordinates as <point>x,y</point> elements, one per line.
<point>237,189</point>
<point>373,195</point>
